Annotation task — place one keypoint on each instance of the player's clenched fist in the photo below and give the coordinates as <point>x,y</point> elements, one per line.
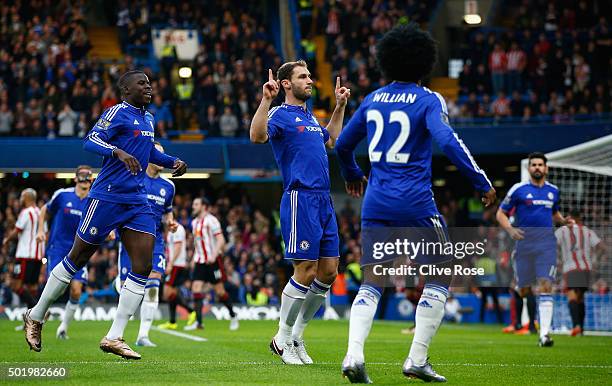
<point>270,88</point>
<point>342,93</point>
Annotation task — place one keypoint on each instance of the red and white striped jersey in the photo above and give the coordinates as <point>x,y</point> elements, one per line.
<point>516,60</point>
<point>204,232</point>
<point>171,240</point>
<point>27,224</point>
<point>577,243</point>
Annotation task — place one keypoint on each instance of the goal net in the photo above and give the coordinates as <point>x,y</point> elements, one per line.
<point>583,174</point>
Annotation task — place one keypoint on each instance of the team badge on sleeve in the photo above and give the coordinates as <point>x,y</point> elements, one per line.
<point>103,124</point>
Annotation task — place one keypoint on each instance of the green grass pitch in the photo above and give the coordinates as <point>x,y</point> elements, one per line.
<point>465,354</point>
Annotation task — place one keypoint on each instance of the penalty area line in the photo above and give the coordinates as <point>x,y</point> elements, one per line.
<point>180,334</point>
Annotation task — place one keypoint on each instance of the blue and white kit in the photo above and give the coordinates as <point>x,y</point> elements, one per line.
<point>535,257</point>
<point>399,121</point>
<point>308,218</point>
<point>117,198</point>
<point>66,209</point>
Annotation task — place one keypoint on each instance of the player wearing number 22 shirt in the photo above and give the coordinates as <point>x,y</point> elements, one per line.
<point>400,120</point>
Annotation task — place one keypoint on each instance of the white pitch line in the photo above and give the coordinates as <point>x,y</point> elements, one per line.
<point>259,363</point>
<point>180,334</point>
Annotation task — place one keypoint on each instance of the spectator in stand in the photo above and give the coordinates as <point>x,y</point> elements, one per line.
<point>228,123</point>
<point>67,119</point>
<point>466,80</point>
<point>498,65</point>
<point>516,62</point>
<point>501,106</point>
<point>210,123</point>
<point>6,119</point>
<point>517,106</point>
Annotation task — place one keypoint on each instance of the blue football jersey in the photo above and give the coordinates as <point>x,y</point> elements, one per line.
<point>534,205</point>
<point>399,121</point>
<point>66,209</point>
<point>298,142</point>
<point>160,193</point>
<point>132,130</point>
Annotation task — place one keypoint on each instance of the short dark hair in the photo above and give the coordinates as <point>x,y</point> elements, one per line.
<point>537,155</point>
<point>204,200</point>
<point>406,53</point>
<point>575,214</point>
<point>124,79</point>
<point>81,167</point>
<point>286,70</point>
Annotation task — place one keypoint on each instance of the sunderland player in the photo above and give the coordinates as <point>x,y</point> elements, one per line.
<point>160,193</point>
<point>308,219</point>
<point>64,212</point>
<point>535,253</point>
<point>208,248</point>
<point>29,253</point>
<point>177,274</point>
<point>399,121</point>
<point>579,248</point>
<point>124,136</point>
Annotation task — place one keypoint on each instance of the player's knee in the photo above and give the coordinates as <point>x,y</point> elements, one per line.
<point>525,291</point>
<point>440,279</point>
<point>328,275</point>
<point>545,286</point>
<point>142,266</point>
<point>305,272</point>
<point>75,292</point>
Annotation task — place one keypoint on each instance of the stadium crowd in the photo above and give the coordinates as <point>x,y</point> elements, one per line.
<point>50,87</point>
<point>552,64</point>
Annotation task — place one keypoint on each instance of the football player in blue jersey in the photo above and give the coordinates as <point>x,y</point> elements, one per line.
<point>124,136</point>
<point>63,212</point>
<point>160,193</point>
<point>535,254</point>
<point>399,120</point>
<point>308,219</point>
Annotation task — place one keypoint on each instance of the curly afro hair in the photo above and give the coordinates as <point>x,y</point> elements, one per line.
<point>406,53</point>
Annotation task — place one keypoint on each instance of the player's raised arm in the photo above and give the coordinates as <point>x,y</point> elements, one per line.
<point>455,149</point>
<point>335,122</point>
<point>259,125</point>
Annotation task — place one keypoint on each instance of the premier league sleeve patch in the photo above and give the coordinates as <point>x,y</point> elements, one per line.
<point>103,124</point>
<point>444,118</point>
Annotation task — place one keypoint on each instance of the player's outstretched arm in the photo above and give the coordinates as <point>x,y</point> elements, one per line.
<point>504,222</point>
<point>337,119</point>
<point>455,149</point>
<point>168,161</point>
<point>259,125</point>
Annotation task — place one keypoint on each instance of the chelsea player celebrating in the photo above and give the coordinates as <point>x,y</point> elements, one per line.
<point>160,193</point>
<point>535,253</point>
<point>399,121</point>
<point>124,136</point>
<point>308,219</point>
<point>65,210</point>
